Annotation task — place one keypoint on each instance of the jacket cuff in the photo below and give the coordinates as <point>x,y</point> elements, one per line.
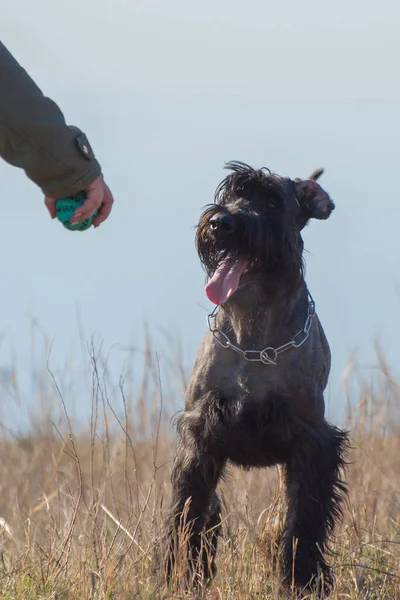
<point>71,185</point>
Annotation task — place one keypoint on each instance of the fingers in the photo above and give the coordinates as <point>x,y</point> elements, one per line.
<point>51,206</point>
<point>94,200</point>
<point>105,208</point>
<point>98,198</point>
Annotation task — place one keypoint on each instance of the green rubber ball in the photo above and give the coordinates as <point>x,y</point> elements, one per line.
<point>65,208</point>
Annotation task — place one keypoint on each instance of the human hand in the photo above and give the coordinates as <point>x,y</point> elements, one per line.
<point>99,197</point>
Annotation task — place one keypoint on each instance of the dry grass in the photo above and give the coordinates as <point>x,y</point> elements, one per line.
<point>81,509</point>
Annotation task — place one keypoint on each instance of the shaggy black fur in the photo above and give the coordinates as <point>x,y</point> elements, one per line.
<point>252,414</point>
<point>266,228</point>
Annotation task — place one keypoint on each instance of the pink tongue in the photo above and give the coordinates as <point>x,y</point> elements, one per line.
<point>225,280</point>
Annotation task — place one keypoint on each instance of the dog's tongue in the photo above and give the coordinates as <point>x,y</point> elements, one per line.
<point>225,280</point>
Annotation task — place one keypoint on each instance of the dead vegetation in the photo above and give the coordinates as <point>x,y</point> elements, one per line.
<point>81,508</point>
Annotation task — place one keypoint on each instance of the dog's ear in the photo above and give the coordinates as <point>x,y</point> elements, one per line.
<point>313,200</point>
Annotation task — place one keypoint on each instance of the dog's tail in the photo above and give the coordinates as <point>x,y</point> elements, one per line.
<point>316,174</point>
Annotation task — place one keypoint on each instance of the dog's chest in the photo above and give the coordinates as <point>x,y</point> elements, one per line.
<point>254,381</point>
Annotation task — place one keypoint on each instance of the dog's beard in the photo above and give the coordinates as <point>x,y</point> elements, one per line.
<point>226,260</point>
<point>226,278</point>
<point>260,247</point>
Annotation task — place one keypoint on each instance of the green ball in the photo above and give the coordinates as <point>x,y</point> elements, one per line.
<point>65,208</point>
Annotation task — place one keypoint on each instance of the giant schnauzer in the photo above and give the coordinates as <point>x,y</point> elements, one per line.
<point>255,397</point>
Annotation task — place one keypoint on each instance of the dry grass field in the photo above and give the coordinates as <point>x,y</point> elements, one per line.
<point>81,509</point>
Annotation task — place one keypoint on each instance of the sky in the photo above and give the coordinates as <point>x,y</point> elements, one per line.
<point>167,92</point>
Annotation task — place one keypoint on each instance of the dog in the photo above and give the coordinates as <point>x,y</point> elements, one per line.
<point>255,397</point>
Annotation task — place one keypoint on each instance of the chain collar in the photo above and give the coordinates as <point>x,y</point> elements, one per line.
<point>268,356</point>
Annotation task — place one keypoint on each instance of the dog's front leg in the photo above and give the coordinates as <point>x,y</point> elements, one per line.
<point>315,491</point>
<point>193,521</point>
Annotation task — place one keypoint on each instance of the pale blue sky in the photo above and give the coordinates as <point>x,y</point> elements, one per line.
<point>169,91</point>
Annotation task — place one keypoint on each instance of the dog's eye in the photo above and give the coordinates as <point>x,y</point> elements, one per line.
<point>273,204</point>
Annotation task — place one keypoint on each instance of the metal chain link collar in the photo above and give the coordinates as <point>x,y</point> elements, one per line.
<point>269,355</point>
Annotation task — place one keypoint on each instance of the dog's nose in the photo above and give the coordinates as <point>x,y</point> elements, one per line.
<point>224,223</point>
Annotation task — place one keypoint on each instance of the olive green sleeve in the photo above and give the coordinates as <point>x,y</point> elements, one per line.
<point>35,137</point>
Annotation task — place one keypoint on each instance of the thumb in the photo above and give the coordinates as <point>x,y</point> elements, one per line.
<point>50,204</point>
<point>94,199</point>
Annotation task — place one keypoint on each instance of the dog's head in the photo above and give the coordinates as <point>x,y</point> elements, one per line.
<point>254,228</point>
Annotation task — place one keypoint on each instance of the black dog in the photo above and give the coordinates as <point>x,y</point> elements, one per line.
<point>256,393</point>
